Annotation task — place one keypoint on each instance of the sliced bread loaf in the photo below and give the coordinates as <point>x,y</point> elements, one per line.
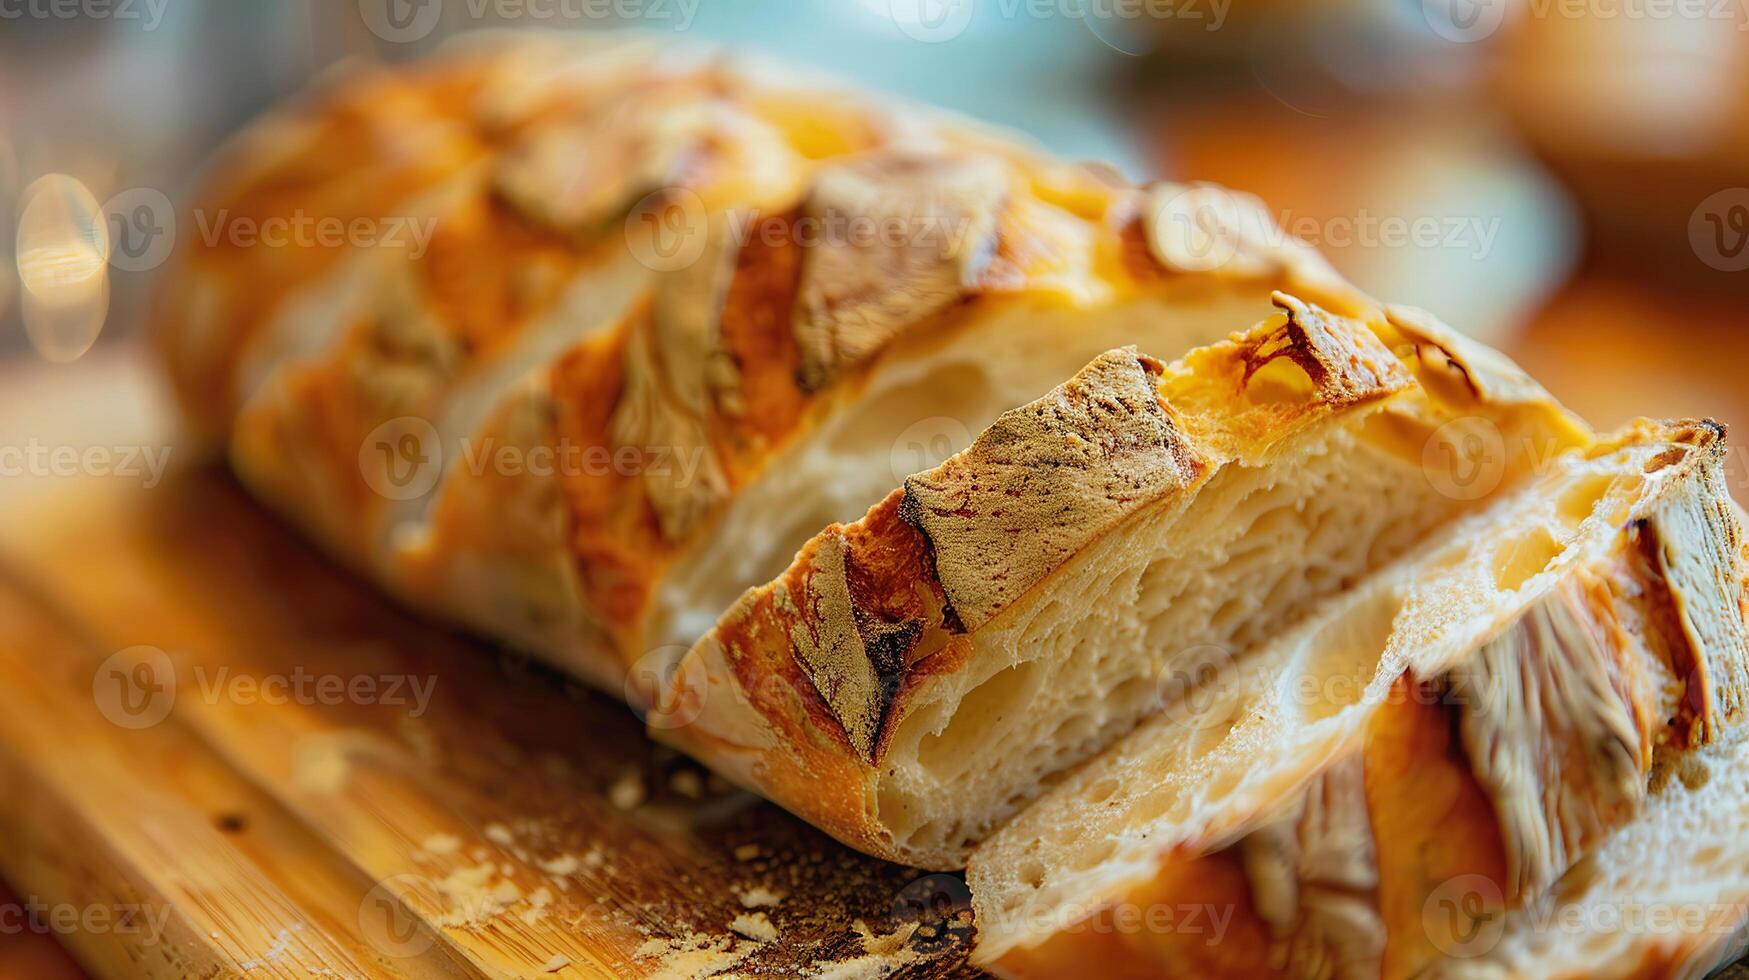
<point>582,337</point>
<point>916,676</point>
<point>1487,710</point>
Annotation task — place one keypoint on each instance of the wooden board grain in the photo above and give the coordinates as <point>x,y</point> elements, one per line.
<point>304,780</point>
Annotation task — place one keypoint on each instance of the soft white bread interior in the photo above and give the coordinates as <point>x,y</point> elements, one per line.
<point>914,678</point>
<point>498,552</point>
<point>1667,897</point>
<point>921,403</point>
<point>1490,706</point>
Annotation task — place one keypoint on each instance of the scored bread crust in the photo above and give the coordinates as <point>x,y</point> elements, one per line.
<point>801,686</point>
<point>1666,898</point>
<point>543,314</point>
<point>1512,725</point>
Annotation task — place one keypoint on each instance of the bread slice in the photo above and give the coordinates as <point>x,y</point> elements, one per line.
<point>635,319</point>
<point>916,676</point>
<point>1487,710</point>
<point>1667,897</point>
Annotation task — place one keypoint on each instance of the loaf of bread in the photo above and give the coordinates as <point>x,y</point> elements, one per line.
<point>614,328</point>
<point>1468,724</point>
<point>916,676</point>
<point>625,322</point>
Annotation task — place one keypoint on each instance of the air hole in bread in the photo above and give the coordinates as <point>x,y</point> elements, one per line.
<point>1279,382</point>
<point>1103,790</point>
<point>1343,658</point>
<point>1221,784</point>
<point>1578,502</point>
<point>1098,852</point>
<point>945,753</point>
<point>1520,559</point>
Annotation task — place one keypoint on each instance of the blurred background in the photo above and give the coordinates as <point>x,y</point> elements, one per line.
<point>1568,179</point>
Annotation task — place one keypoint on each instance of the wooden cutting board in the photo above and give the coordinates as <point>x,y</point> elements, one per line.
<point>221,756</point>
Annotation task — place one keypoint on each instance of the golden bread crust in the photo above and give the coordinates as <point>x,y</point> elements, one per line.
<point>809,674</point>
<point>533,264</point>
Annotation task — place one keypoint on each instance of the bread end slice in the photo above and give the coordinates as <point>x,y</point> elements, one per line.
<point>1487,710</point>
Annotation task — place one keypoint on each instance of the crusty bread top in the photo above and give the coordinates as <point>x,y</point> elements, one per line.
<point>1046,479</point>
<point>870,609</point>
<point>1034,487</point>
<point>830,228</point>
<point>547,147</point>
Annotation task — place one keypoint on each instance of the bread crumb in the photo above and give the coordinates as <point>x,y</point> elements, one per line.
<point>691,956</point>
<point>281,942</point>
<point>882,944</point>
<point>867,967</point>
<point>746,852</point>
<point>883,955</point>
<point>760,896</point>
<point>442,844</point>
<point>564,864</point>
<point>754,925</point>
<point>651,948</point>
<point>320,763</point>
<point>627,792</point>
<point>469,898</point>
<point>557,963</point>
<point>499,834</point>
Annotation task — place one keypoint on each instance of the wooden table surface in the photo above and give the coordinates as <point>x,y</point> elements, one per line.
<point>162,769</point>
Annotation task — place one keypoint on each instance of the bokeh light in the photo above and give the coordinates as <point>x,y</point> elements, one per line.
<point>62,256</point>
